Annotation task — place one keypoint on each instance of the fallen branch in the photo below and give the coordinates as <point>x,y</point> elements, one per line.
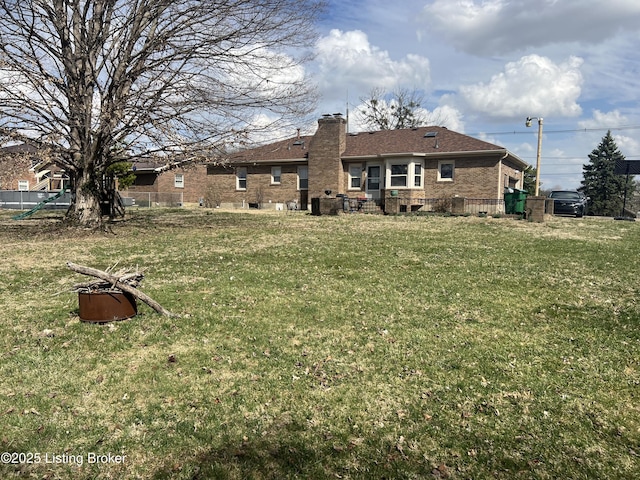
<point>131,279</point>
<point>119,283</point>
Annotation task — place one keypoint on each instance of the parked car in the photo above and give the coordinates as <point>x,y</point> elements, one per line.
<point>568,202</point>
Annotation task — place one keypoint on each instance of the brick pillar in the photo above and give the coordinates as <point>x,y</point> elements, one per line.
<point>392,205</point>
<point>325,156</point>
<point>457,205</point>
<point>535,208</point>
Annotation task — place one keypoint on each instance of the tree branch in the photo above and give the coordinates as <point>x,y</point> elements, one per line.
<point>118,283</point>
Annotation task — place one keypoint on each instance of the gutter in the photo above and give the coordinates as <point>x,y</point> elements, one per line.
<point>504,152</point>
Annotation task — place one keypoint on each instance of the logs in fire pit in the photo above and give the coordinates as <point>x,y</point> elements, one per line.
<point>111,297</point>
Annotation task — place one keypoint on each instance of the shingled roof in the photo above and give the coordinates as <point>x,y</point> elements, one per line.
<point>414,141</point>
<point>295,148</point>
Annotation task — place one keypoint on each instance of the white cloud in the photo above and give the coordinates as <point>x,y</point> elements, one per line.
<point>610,120</point>
<point>447,116</point>
<point>487,27</point>
<point>347,60</point>
<point>533,85</point>
<point>604,120</point>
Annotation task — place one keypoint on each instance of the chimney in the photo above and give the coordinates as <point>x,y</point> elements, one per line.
<point>326,171</point>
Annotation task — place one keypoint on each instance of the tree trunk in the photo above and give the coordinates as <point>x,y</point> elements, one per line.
<point>85,210</point>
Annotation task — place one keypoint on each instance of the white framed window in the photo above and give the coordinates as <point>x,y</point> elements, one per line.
<point>241,178</point>
<point>178,180</point>
<point>303,177</point>
<point>417,175</point>
<point>23,185</point>
<point>276,175</point>
<point>404,174</point>
<point>355,176</point>
<point>398,174</point>
<point>446,170</point>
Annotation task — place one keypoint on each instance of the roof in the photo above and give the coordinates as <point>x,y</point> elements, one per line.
<point>421,141</point>
<point>18,148</point>
<point>291,149</point>
<point>414,140</point>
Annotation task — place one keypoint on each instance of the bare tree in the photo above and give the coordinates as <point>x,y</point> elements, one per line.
<point>93,82</point>
<point>401,108</point>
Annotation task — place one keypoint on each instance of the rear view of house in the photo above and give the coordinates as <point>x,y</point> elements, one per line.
<point>412,167</point>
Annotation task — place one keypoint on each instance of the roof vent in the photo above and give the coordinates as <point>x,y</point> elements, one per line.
<point>430,134</point>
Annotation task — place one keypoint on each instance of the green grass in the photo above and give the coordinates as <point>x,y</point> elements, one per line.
<point>327,347</point>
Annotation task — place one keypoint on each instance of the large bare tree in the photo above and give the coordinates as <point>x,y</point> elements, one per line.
<point>402,108</point>
<point>92,82</point>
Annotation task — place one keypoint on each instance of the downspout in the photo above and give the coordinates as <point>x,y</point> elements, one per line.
<point>501,187</point>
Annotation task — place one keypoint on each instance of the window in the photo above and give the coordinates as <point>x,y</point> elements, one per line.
<point>417,175</point>
<point>241,178</point>
<point>399,173</point>
<point>23,185</point>
<point>178,180</point>
<point>355,176</point>
<point>408,174</point>
<point>446,171</point>
<point>303,177</point>
<point>276,175</point>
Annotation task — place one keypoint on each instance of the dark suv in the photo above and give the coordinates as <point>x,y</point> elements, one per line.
<point>568,202</point>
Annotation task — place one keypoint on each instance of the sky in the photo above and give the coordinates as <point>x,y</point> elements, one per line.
<point>484,66</point>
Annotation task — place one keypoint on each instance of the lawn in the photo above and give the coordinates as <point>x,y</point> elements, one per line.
<point>354,347</point>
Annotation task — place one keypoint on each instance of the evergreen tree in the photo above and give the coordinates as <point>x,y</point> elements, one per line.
<point>604,188</point>
<point>529,179</point>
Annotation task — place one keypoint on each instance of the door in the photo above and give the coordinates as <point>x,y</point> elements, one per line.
<point>374,180</point>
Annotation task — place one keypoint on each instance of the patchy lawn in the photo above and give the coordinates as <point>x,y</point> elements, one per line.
<point>325,347</point>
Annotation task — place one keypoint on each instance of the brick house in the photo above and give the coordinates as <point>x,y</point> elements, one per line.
<point>21,168</point>
<point>409,166</point>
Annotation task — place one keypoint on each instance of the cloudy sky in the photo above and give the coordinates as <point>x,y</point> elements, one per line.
<point>485,65</point>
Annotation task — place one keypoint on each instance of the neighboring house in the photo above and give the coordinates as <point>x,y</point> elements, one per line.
<point>21,168</point>
<point>410,165</point>
<point>167,184</point>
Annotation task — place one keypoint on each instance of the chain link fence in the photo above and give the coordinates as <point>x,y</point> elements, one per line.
<point>152,199</point>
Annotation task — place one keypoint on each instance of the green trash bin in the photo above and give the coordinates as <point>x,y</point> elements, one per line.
<point>521,199</point>
<point>514,201</point>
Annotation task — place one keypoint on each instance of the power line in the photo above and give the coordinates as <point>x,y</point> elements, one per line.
<point>546,132</point>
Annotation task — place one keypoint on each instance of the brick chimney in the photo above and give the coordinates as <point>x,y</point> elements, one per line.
<point>325,151</point>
